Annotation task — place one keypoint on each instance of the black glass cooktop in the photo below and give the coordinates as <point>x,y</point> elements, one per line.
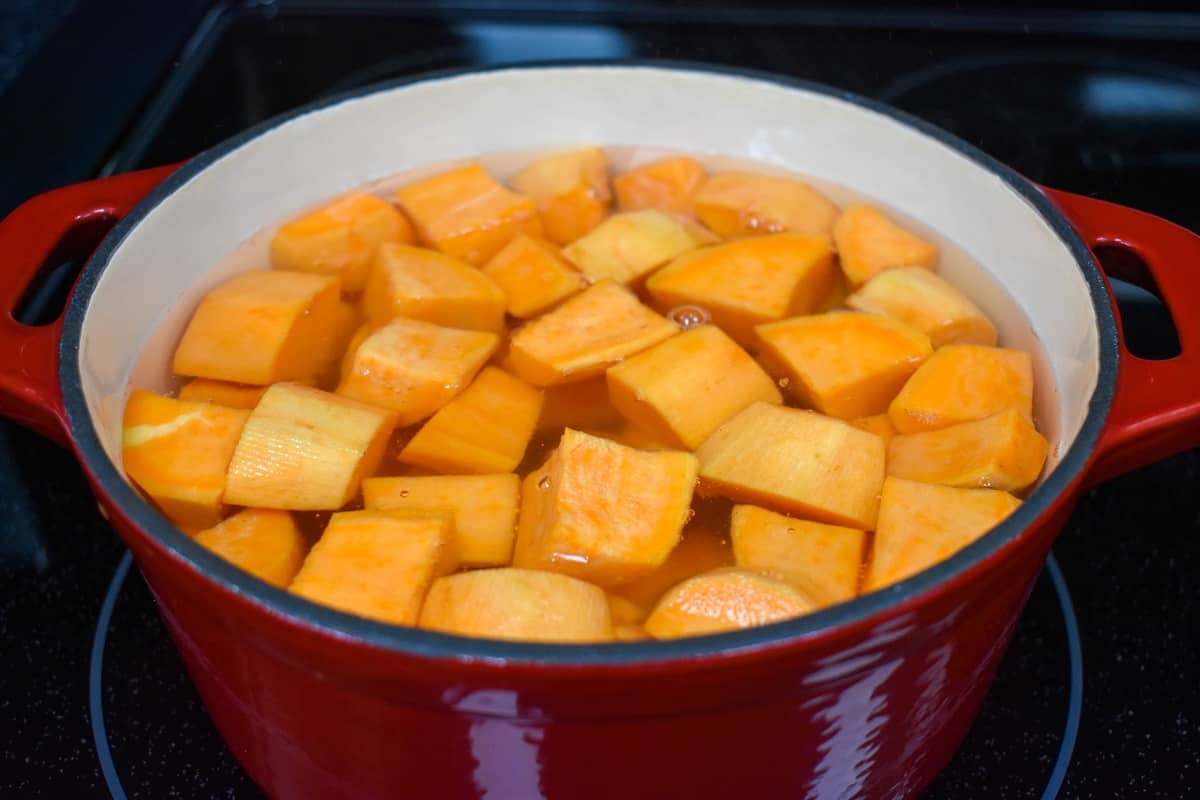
<point>1097,696</point>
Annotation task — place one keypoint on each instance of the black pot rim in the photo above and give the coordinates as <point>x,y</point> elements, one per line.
<point>431,645</point>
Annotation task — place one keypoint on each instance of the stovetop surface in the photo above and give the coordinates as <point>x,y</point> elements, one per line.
<point>1097,696</point>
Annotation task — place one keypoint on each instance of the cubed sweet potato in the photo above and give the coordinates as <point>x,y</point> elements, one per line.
<point>222,393</point>
<point>376,564</point>
<point>797,462</point>
<point>583,404</point>
<point>609,514</point>
<point>264,542</point>
<point>418,283</point>
<point>822,561</point>
<point>666,185</point>
<point>570,189</point>
<point>725,600</point>
<point>178,452</point>
<point>484,508</point>
<point>921,524</point>
<point>628,246</point>
<point>261,327</point>
<point>960,383</point>
<point>745,204</point>
<point>522,604</point>
<point>744,283</point>
<point>465,213</point>
<point>585,335</point>
<point>844,364</point>
<point>927,302</point>
<point>869,243</point>
<point>533,275</point>
<point>306,449</point>
<point>682,389</point>
<point>698,551</point>
<point>1003,451</point>
<point>878,424</point>
<point>485,429</point>
<point>340,239</point>
<point>414,368</point>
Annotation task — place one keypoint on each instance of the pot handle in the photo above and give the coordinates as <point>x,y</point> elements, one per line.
<point>29,389</point>
<point>1156,410</point>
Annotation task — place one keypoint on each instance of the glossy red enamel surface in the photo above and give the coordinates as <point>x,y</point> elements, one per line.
<point>871,709</point>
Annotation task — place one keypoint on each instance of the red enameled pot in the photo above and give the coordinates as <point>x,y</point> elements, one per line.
<point>867,699</point>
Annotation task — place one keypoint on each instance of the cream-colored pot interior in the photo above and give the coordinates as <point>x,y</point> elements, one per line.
<point>996,245</point>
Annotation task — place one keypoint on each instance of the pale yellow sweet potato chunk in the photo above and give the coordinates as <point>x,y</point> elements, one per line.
<point>585,335</point>
<point>417,283</point>
<point>533,275</point>
<point>414,368</point>
<point>745,204</point>
<point>869,243</point>
<point>264,542</point>
<point>260,327</point>
<point>484,508</point>
<point>797,462</point>
<point>1003,451</point>
<point>340,239</point>
<point>823,561</point>
<point>570,189</point>
<point>485,429</point>
<point>843,364</point>
<point>609,514</point>
<point>725,600</point>
<point>919,298</point>
<point>306,449</point>
<point>376,564</point>
<point>921,524</point>
<point>522,604</point>
<point>744,283</point>
<point>960,383</point>
<point>627,247</point>
<point>683,389</point>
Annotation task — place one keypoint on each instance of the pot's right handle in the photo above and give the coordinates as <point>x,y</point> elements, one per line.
<point>29,389</point>
<point>1156,410</point>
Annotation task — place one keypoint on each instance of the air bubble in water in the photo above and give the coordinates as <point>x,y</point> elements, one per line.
<point>791,530</point>
<point>544,483</point>
<point>783,382</point>
<point>404,492</point>
<point>688,316</point>
<point>691,515</point>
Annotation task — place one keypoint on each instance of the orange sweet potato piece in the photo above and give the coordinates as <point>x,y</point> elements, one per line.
<point>414,368</point>
<point>744,204</point>
<point>484,429</point>
<point>843,364</point>
<point>698,551</point>
<point>822,561</point>
<point>264,542</point>
<point>960,383</point>
<point>222,393</point>
<point>261,327</point>
<point>683,389</point>
<point>628,246</point>
<point>725,600</point>
<point>666,185</point>
<point>583,404</point>
<point>522,604</point>
<point>422,284</point>
<point>624,611</point>
<point>533,275</point>
<point>306,449</point>
<point>1003,451</point>
<point>465,213</point>
<point>376,564</point>
<point>178,451</point>
<point>878,424</point>
<point>571,192</point>
<point>585,335</point>
<point>340,239</point>
<point>484,508</point>
<point>744,283</point>
<point>918,297</point>
<point>629,633</point>
<point>797,462</point>
<point>921,524</point>
<point>868,243</point>
<point>610,513</point>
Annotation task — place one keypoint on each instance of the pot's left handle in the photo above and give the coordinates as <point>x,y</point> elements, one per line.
<point>29,389</point>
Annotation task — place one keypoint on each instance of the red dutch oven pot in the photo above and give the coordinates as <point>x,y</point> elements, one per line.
<point>866,699</point>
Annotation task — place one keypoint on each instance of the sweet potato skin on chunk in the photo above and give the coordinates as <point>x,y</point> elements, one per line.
<point>724,600</point>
